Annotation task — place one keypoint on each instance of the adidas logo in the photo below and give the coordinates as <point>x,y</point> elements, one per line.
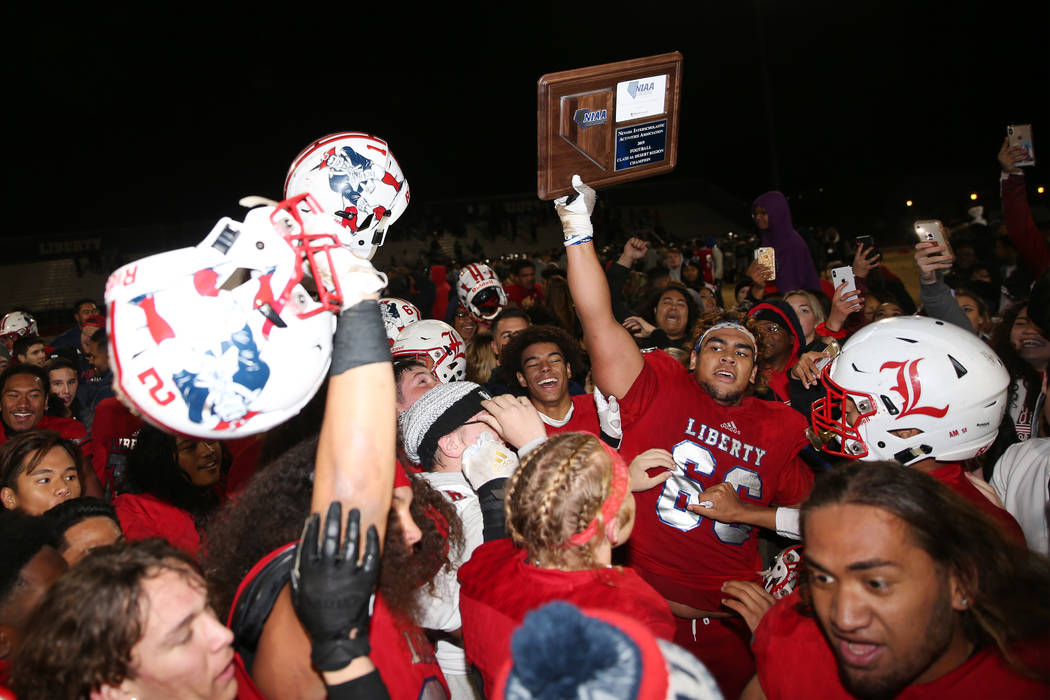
<point>731,427</point>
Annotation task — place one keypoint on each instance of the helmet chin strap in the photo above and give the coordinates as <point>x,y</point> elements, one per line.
<point>912,454</point>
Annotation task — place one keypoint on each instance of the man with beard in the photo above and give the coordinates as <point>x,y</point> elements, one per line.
<point>721,438</point>
<point>911,593</point>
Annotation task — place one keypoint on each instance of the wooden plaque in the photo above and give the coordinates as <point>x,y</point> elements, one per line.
<point>611,123</point>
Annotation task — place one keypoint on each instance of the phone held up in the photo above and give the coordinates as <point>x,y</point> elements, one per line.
<point>767,257</point>
<point>1021,135</point>
<point>933,230</point>
<point>869,243</point>
<point>844,274</point>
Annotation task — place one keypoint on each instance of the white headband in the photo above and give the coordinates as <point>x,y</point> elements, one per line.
<point>731,325</point>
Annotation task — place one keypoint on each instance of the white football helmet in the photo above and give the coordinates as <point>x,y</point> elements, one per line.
<point>397,313</point>
<point>438,344</point>
<point>480,291</point>
<point>912,372</point>
<point>223,339</point>
<point>782,577</point>
<point>15,325</point>
<point>357,180</point>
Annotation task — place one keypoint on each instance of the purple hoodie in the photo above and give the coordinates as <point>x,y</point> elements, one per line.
<point>795,269</point>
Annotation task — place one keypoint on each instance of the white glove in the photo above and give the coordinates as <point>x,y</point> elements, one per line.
<point>608,415</point>
<point>488,459</point>
<point>357,278</point>
<point>576,215</point>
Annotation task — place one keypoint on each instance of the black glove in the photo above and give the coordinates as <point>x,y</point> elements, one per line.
<point>331,592</point>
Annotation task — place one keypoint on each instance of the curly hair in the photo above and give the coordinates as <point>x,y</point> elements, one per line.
<point>1008,587</point>
<point>761,336</point>
<point>270,512</point>
<point>555,493</point>
<point>405,570</point>
<point>72,649</point>
<point>511,357</point>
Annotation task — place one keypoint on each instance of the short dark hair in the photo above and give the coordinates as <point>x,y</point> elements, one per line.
<point>93,642</point>
<point>80,302</point>
<point>401,366</point>
<point>57,363</point>
<point>518,265</point>
<point>511,357</point>
<point>100,337</point>
<point>21,538</point>
<point>75,511</point>
<point>508,312</point>
<point>1007,586</point>
<point>24,368</point>
<point>24,451</point>
<point>22,345</point>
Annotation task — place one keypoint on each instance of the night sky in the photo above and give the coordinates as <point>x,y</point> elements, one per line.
<point>170,115</point>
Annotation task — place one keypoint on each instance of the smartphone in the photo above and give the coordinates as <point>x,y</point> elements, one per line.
<point>869,243</point>
<point>767,257</point>
<point>1021,135</point>
<point>933,230</point>
<point>844,274</point>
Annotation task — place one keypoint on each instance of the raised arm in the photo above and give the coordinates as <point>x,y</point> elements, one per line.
<point>1017,215</point>
<point>615,359</point>
<point>355,453</point>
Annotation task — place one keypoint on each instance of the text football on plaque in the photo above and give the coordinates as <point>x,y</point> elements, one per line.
<point>610,124</point>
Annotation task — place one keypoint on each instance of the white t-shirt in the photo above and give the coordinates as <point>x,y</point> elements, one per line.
<point>441,608</point>
<point>1022,480</point>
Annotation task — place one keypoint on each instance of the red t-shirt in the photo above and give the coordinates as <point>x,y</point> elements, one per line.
<point>952,476</point>
<point>69,428</point>
<point>113,432</point>
<point>516,293</point>
<point>498,588</point>
<point>142,516</point>
<point>753,446</point>
<point>584,418</point>
<point>794,661</point>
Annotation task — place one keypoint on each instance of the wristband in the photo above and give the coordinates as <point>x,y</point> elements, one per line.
<point>825,332</point>
<point>531,445</point>
<point>360,338</point>
<point>788,523</point>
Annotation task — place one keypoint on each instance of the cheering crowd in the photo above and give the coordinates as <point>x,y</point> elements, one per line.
<point>265,469</point>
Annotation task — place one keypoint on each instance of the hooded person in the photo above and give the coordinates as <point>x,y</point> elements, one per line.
<point>785,341</point>
<point>795,269</point>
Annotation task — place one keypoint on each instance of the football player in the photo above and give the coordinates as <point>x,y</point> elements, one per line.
<point>721,439</point>
<point>921,392</point>
<point>911,592</point>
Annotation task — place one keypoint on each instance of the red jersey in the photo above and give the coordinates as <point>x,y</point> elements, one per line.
<point>498,587</point>
<point>400,651</point>
<point>405,657</point>
<point>794,661</point>
<point>952,476</point>
<point>753,446</point>
<point>584,418</point>
<point>113,433</point>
